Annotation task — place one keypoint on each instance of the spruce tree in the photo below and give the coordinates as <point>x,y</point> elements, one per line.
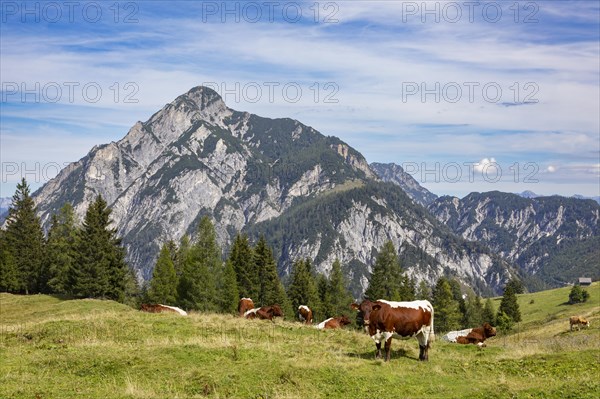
<point>447,314</point>
<point>197,285</point>
<point>509,305</point>
<point>488,314</point>
<point>326,301</point>
<point>227,289</point>
<point>423,291</point>
<point>100,270</point>
<point>163,286</point>
<point>182,254</point>
<point>340,297</point>
<point>61,250</point>
<point>25,240</point>
<point>473,312</point>
<point>270,289</point>
<point>302,289</point>
<point>9,278</point>
<point>386,280</point>
<point>242,260</point>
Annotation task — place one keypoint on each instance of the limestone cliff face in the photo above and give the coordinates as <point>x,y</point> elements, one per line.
<point>196,157</point>
<point>538,234</point>
<point>393,173</point>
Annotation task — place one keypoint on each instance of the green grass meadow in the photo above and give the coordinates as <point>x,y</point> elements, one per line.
<point>54,348</point>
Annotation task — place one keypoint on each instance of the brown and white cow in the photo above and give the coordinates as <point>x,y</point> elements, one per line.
<point>333,322</point>
<point>478,335</point>
<point>305,314</point>
<point>264,313</point>
<point>385,319</point>
<point>158,308</point>
<point>578,321</point>
<point>244,305</point>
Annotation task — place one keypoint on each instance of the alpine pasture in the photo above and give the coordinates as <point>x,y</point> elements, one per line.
<point>55,348</point>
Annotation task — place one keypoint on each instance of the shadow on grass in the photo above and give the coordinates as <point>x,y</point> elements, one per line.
<point>370,355</point>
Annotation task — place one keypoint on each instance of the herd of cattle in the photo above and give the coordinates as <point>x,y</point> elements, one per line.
<point>383,320</point>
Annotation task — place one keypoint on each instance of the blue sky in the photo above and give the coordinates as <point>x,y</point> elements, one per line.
<point>468,96</point>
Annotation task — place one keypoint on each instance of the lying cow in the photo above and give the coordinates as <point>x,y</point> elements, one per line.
<point>244,305</point>
<point>385,319</point>
<point>453,335</point>
<point>305,314</point>
<point>478,335</point>
<point>334,322</point>
<point>264,313</point>
<point>578,321</point>
<point>158,308</point>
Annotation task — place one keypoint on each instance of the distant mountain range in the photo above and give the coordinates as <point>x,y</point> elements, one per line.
<point>531,194</point>
<point>311,196</point>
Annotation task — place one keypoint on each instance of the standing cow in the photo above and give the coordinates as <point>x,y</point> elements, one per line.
<point>578,321</point>
<point>384,319</point>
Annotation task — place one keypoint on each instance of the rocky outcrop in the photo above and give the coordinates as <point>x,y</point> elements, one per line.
<point>313,196</point>
<point>393,173</point>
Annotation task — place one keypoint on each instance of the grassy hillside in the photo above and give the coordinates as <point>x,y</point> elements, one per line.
<point>51,348</point>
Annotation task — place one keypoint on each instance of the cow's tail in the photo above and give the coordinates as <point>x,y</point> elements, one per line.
<point>431,337</point>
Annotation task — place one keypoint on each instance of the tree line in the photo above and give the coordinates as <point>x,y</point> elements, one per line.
<point>88,261</point>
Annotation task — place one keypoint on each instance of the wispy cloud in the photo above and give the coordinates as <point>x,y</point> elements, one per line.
<point>392,77</point>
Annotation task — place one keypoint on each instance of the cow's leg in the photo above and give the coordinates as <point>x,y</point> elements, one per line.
<point>378,352</point>
<point>388,349</point>
<point>423,346</point>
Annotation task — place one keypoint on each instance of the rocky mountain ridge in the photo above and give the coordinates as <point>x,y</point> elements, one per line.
<point>265,176</point>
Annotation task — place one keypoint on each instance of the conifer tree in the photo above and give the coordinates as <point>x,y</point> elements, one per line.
<point>488,314</point>
<point>423,291</point>
<point>9,278</point>
<point>25,240</point>
<point>227,290</point>
<point>340,297</point>
<point>386,279</point>
<point>270,289</point>
<point>61,250</point>
<point>473,312</point>
<point>325,299</point>
<point>182,254</point>
<point>302,289</point>
<point>509,305</point>
<point>197,285</point>
<point>163,286</point>
<point>447,314</point>
<point>242,260</point>
<point>100,270</point>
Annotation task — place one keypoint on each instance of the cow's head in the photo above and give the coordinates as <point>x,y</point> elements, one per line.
<point>276,311</point>
<point>344,320</point>
<point>488,330</point>
<point>364,311</point>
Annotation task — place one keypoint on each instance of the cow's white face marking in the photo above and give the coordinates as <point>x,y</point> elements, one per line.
<point>245,299</point>
<point>304,307</point>
<point>321,325</point>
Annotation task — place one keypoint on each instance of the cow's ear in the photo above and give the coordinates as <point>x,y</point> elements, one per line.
<point>376,307</point>
<point>355,306</point>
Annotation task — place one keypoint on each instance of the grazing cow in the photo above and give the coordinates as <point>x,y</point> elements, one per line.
<point>266,312</point>
<point>244,305</point>
<point>578,321</point>
<point>478,335</point>
<point>334,322</point>
<point>305,314</point>
<point>404,319</point>
<point>161,308</point>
